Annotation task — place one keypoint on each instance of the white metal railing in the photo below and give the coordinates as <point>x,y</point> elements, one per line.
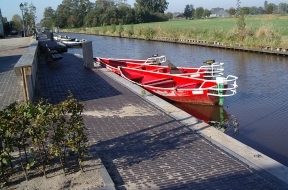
<point>214,70</point>
<point>223,86</point>
<point>210,71</point>
<point>226,85</point>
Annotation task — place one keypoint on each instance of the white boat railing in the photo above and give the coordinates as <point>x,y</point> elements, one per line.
<point>209,71</point>
<point>214,70</point>
<point>225,86</point>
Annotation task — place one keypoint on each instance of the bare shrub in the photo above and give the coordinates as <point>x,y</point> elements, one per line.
<point>265,31</point>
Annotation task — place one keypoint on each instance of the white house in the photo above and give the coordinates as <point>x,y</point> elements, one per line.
<point>218,12</point>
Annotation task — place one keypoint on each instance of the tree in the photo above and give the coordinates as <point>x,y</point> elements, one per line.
<point>270,8</point>
<point>240,22</point>
<point>231,11</point>
<point>245,10</point>
<point>142,16</point>
<point>198,12</point>
<point>206,13</point>
<point>29,15</point>
<point>62,13</point>
<point>72,13</point>
<point>254,10</point>
<point>105,4</point>
<point>122,3</point>
<point>188,11</point>
<point>265,5</point>
<point>126,14</point>
<point>48,17</point>
<point>32,15</point>
<point>169,15</point>
<point>261,10</point>
<point>17,22</point>
<point>80,10</point>
<point>282,8</point>
<point>152,6</point>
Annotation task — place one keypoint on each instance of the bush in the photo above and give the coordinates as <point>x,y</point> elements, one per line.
<point>104,28</point>
<point>113,29</point>
<point>149,33</point>
<point>131,30</point>
<point>40,132</point>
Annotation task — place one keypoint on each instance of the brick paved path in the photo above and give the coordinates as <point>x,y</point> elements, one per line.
<point>10,85</point>
<point>142,147</point>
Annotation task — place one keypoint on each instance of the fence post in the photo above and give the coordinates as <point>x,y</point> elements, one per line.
<point>51,36</point>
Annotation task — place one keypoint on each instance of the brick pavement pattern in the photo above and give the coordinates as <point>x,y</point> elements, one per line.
<point>10,85</point>
<point>141,146</point>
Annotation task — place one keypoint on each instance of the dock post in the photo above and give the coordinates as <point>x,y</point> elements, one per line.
<point>88,54</point>
<point>50,36</point>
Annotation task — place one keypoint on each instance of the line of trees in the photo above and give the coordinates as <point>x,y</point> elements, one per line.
<point>29,16</point>
<point>83,13</point>
<point>268,8</point>
<point>198,13</point>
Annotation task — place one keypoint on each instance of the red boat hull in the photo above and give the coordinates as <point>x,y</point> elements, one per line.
<point>185,96</point>
<point>172,87</point>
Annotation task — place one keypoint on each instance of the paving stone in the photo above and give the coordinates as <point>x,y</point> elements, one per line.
<point>144,151</point>
<point>11,89</point>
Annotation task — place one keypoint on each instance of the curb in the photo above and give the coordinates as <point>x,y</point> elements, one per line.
<point>108,183</point>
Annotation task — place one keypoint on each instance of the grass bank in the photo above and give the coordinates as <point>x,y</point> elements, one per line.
<point>260,31</point>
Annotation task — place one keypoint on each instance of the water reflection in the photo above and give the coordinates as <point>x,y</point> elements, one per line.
<point>215,116</point>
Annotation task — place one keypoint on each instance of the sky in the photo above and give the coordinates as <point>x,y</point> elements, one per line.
<point>11,7</point>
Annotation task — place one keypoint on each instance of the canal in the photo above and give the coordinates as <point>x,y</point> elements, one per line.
<point>259,110</point>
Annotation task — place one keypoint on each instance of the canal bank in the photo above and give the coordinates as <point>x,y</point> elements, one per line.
<point>144,142</point>
<point>277,51</point>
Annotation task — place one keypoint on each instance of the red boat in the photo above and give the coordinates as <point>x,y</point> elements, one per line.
<point>154,64</point>
<point>180,88</point>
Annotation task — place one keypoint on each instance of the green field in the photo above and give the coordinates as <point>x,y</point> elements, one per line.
<point>260,31</point>
<point>221,23</point>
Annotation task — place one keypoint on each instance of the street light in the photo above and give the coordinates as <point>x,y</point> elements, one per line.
<point>22,8</point>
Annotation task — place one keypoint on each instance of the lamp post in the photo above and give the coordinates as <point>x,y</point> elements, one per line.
<point>22,8</point>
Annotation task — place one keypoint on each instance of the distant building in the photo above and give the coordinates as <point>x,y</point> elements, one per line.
<point>1,24</point>
<point>179,16</point>
<point>218,12</point>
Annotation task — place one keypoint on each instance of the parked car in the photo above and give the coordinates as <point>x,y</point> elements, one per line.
<point>14,32</point>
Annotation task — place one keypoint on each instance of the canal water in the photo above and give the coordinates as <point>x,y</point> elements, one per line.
<point>256,116</point>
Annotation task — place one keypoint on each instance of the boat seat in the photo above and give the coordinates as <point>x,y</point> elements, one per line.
<point>190,85</point>
<point>164,84</point>
<point>156,80</point>
<point>167,82</point>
